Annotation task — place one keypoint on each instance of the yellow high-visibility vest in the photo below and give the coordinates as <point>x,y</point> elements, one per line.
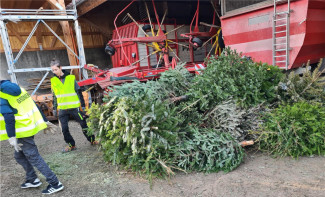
<point>66,95</point>
<point>28,120</point>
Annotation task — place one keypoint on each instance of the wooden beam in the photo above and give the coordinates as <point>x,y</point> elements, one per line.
<point>98,27</point>
<point>39,37</point>
<point>68,40</point>
<point>28,2</point>
<point>54,37</point>
<point>12,29</point>
<point>12,4</point>
<point>51,49</point>
<point>7,4</point>
<point>56,5</point>
<point>59,33</point>
<point>88,5</point>
<point>45,5</point>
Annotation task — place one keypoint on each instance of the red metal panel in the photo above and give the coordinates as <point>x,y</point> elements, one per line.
<point>251,32</point>
<point>313,47</point>
<point>126,31</point>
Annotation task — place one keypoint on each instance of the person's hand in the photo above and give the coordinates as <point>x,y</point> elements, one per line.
<point>83,109</point>
<point>51,128</point>
<point>13,142</point>
<point>55,113</point>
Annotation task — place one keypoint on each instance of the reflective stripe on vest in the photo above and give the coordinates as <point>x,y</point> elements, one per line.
<point>25,116</point>
<point>68,103</point>
<point>28,120</point>
<point>23,129</point>
<point>66,95</point>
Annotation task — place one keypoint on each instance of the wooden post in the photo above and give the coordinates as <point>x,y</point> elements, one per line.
<point>39,38</point>
<point>89,5</point>
<point>67,36</point>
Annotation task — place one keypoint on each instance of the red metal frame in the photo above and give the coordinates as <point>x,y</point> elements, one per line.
<point>131,39</point>
<point>131,31</point>
<point>125,42</point>
<point>196,32</point>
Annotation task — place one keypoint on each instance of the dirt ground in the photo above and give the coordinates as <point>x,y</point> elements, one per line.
<point>84,173</point>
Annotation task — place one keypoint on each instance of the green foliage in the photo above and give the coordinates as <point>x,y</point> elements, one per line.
<point>229,76</point>
<point>294,130</point>
<point>230,118</point>
<point>94,117</point>
<point>308,87</point>
<point>142,125</point>
<point>136,90</point>
<point>209,150</point>
<point>138,134</point>
<point>172,83</point>
<point>297,127</point>
<point>176,82</point>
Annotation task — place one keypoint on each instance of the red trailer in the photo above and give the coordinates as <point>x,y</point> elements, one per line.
<point>254,31</point>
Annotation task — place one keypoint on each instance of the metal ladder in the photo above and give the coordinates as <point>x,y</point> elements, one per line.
<point>281,35</point>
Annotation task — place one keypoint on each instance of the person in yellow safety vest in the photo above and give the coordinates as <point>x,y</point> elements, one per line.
<point>20,120</point>
<point>67,98</point>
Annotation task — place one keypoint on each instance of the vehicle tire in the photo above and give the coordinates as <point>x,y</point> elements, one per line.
<point>197,42</point>
<point>109,50</point>
<point>146,28</point>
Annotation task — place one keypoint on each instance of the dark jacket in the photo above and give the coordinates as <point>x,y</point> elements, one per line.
<point>6,110</point>
<point>76,87</point>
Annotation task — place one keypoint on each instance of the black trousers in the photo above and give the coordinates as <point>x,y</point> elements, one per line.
<point>64,119</point>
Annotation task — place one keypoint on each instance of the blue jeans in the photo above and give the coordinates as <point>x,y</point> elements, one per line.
<point>29,158</point>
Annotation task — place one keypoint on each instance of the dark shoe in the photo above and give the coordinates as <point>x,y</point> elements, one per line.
<point>30,184</point>
<point>53,188</point>
<point>94,142</point>
<point>69,149</point>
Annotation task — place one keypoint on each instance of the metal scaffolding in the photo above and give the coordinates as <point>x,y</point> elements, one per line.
<point>16,15</point>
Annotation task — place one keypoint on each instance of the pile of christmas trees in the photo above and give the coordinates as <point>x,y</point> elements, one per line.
<point>183,122</point>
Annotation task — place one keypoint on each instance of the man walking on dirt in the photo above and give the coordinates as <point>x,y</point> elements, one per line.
<point>20,120</point>
<point>67,98</point>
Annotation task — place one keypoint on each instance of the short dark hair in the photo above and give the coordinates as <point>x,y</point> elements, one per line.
<point>55,62</point>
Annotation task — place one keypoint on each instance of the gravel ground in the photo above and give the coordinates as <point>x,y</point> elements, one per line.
<point>85,173</point>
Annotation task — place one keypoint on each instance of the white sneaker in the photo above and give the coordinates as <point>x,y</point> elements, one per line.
<point>31,184</point>
<point>53,188</point>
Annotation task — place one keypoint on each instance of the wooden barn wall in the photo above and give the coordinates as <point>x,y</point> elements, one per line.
<point>18,33</point>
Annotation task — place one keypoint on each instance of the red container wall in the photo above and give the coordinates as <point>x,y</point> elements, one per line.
<point>314,43</point>
<point>251,32</point>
